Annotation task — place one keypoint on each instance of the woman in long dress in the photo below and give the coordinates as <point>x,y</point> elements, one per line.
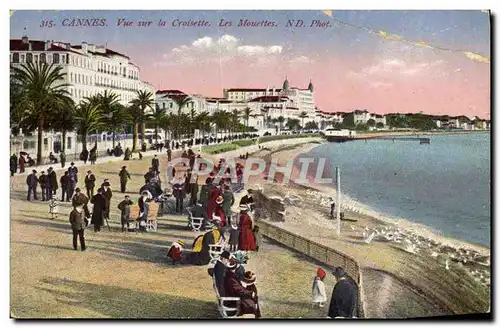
<point>247,240</point>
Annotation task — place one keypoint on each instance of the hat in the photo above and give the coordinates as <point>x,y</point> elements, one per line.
<point>34,171</point>
<point>321,273</point>
<point>72,163</point>
<point>43,172</point>
<point>89,171</point>
<point>106,184</point>
<point>78,190</point>
<point>225,255</point>
<point>339,271</point>
<point>124,167</point>
<point>181,242</point>
<point>249,277</point>
<point>232,264</point>
<point>219,200</point>
<point>50,169</point>
<point>244,207</point>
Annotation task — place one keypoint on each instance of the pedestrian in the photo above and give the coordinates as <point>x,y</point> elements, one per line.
<point>179,194</point>
<point>219,271</point>
<point>98,211</point>
<point>143,209</point>
<point>13,164</point>
<point>124,176</point>
<point>52,183</point>
<point>124,208</point>
<point>227,203</point>
<point>257,237</point>
<point>234,288</point>
<point>234,237</point>
<point>64,186</point>
<point>175,251</point>
<point>62,158</point>
<point>80,200</point>
<point>218,214</point>
<point>155,164</point>
<point>318,289</point>
<point>77,221</point>
<point>246,240</point>
<point>332,209</point>
<point>107,193</point>
<point>193,189</point>
<point>215,192</point>
<point>54,207</point>
<point>73,171</point>
<point>90,184</point>
<point>72,180</point>
<point>344,297</point>
<point>169,154</point>
<point>42,180</point>
<point>32,182</point>
<point>249,283</point>
<point>22,163</point>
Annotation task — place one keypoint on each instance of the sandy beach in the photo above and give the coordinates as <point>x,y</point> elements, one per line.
<point>424,271</point>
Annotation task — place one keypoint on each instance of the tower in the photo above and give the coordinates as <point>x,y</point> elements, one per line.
<point>285,84</point>
<point>310,87</point>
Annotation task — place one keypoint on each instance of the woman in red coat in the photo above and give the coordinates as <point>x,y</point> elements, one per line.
<point>247,240</point>
<point>219,212</point>
<point>214,193</point>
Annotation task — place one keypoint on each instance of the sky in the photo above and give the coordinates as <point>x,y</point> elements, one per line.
<point>350,67</point>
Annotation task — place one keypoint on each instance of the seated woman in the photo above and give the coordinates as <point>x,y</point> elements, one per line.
<point>201,246</point>
<point>234,288</point>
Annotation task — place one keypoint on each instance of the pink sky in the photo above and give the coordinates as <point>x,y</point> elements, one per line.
<point>451,85</point>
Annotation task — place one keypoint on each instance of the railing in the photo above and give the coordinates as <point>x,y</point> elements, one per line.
<point>321,253</point>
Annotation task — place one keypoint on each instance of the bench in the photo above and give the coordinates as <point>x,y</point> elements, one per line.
<point>194,223</point>
<point>151,222</point>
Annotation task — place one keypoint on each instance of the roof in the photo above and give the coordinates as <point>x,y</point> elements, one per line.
<point>170,92</point>
<point>295,108</point>
<point>270,99</point>
<point>36,45</point>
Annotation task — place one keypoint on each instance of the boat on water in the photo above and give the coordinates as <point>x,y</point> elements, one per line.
<point>338,135</point>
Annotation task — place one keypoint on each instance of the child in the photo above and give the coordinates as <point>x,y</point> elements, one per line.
<point>318,289</point>
<point>53,207</point>
<point>175,251</point>
<point>234,237</point>
<point>257,237</point>
<point>124,207</point>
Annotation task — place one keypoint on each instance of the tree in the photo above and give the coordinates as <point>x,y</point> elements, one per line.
<point>166,122</point>
<point>235,117</point>
<point>247,112</point>
<point>293,124</point>
<point>89,118</point>
<point>311,126</point>
<point>371,122</point>
<point>281,120</point>
<point>348,121</point>
<point>40,89</point>
<point>143,100</point>
<point>302,116</point>
<point>113,112</point>
<point>362,127</point>
<point>65,123</point>
<point>181,102</point>
<point>156,118</point>
<point>136,116</point>
<point>380,125</point>
<point>203,122</point>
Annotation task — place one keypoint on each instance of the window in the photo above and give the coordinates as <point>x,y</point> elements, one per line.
<point>56,58</point>
<point>15,57</point>
<point>36,58</point>
<point>29,57</point>
<point>45,143</point>
<point>68,144</point>
<point>43,58</point>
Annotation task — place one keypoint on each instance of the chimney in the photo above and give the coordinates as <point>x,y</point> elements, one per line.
<point>84,47</point>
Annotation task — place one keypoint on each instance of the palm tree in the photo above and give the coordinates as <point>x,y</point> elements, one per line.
<point>156,118</point>
<point>89,118</point>
<point>114,112</point>
<point>203,121</point>
<point>143,100</point>
<point>40,90</point>
<point>136,116</point>
<point>166,123</point>
<point>247,112</point>
<point>302,116</point>
<point>181,102</point>
<point>65,122</point>
<point>235,115</point>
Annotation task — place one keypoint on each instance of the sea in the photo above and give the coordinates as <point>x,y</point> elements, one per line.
<point>444,185</point>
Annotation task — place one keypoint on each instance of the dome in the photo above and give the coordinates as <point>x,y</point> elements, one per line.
<point>310,87</point>
<point>285,84</point>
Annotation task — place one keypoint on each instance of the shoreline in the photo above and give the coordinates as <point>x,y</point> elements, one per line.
<point>385,218</point>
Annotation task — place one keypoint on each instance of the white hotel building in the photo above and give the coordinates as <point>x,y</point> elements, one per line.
<point>90,70</point>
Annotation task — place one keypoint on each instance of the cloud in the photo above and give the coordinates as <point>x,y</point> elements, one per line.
<point>225,48</point>
<point>395,67</point>
<point>300,60</point>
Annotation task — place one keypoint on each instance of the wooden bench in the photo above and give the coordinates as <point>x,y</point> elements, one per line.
<point>151,222</point>
<point>226,309</point>
<point>193,222</point>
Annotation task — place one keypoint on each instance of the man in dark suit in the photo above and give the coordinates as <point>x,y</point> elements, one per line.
<point>344,301</point>
<point>124,176</point>
<point>220,270</point>
<point>99,207</point>
<point>90,184</point>
<point>32,182</point>
<point>42,180</point>
<point>80,200</point>
<point>179,194</point>
<point>77,221</point>
<point>52,185</point>
<point>155,163</point>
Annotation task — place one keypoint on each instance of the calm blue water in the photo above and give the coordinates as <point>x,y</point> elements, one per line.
<point>444,185</point>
